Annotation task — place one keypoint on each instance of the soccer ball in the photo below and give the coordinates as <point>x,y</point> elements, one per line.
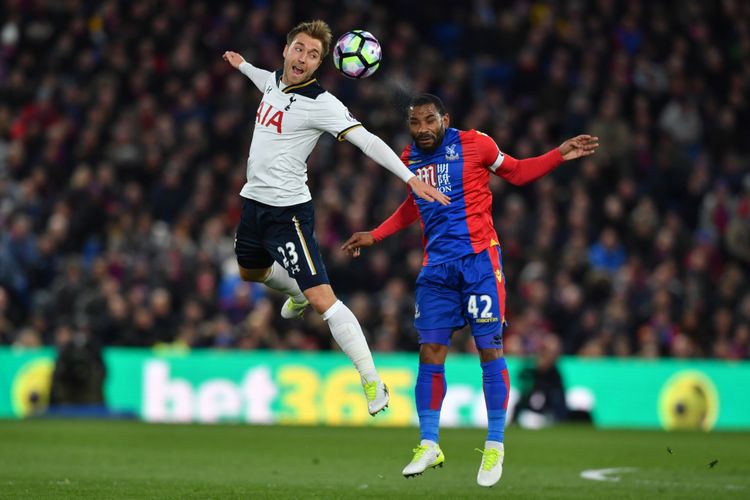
<point>357,54</point>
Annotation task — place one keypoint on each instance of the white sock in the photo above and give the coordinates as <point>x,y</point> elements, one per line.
<point>279,279</point>
<point>429,443</point>
<point>348,335</point>
<point>494,444</point>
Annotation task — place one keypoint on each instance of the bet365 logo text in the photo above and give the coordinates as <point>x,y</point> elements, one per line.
<point>293,394</point>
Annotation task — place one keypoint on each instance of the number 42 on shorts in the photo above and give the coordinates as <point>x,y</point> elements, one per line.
<point>473,308</point>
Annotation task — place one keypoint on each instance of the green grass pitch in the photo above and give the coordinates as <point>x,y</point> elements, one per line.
<point>84,459</point>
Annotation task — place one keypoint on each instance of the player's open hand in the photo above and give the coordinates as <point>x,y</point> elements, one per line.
<point>427,192</point>
<point>578,146</point>
<point>356,241</point>
<point>233,58</point>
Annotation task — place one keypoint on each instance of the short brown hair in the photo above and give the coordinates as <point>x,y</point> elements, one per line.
<point>317,29</point>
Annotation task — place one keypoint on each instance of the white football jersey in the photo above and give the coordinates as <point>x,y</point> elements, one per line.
<point>288,124</point>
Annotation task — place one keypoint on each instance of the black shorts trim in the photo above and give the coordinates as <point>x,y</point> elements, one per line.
<point>282,234</point>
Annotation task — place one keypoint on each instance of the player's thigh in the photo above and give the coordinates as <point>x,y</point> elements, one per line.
<point>437,308</point>
<point>252,256</point>
<point>289,237</point>
<point>483,297</point>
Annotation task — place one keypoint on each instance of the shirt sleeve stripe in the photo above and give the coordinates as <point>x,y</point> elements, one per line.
<point>342,135</point>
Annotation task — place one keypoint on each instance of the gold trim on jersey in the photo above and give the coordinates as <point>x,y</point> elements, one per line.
<point>304,246</point>
<point>342,135</point>
<point>299,85</point>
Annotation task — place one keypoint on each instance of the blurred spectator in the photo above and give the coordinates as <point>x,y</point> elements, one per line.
<point>607,254</point>
<point>682,121</point>
<point>79,373</point>
<point>542,400</point>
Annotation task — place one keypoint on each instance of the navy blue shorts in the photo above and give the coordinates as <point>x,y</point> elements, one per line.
<point>466,290</point>
<point>283,234</point>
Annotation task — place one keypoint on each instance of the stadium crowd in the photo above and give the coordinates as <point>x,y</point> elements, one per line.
<point>124,139</point>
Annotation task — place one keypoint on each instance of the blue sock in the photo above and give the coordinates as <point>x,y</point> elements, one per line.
<point>496,386</point>
<point>429,393</point>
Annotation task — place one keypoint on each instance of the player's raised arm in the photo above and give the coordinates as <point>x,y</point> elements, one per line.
<point>375,148</point>
<point>578,146</point>
<point>519,172</point>
<point>258,76</point>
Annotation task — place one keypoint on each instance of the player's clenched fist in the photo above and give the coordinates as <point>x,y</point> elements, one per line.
<point>233,58</point>
<point>356,241</point>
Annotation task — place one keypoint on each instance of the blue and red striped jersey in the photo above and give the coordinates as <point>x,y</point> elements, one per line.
<point>460,167</point>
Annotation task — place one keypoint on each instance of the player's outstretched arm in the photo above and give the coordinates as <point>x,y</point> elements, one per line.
<point>520,172</point>
<point>357,241</point>
<point>404,216</point>
<point>258,76</point>
<point>375,148</point>
<point>233,58</point>
<point>578,146</point>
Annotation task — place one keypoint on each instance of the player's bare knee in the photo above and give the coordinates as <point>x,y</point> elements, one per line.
<point>490,354</point>
<point>257,275</point>
<point>321,297</point>
<point>433,354</point>
<point>316,302</point>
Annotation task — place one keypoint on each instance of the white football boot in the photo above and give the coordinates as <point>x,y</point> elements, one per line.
<point>427,455</point>
<point>377,396</point>
<point>491,467</point>
<point>292,309</point>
